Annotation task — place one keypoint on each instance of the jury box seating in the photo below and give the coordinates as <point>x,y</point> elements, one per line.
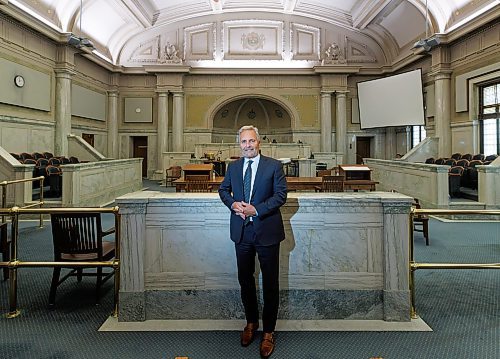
<point>78,237</point>
<point>463,171</point>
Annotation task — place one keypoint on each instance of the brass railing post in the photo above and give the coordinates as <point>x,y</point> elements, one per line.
<point>13,311</point>
<point>411,273</point>
<point>41,200</point>
<point>116,262</point>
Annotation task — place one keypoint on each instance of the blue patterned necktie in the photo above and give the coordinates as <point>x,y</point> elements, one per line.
<point>247,182</point>
<point>247,186</point>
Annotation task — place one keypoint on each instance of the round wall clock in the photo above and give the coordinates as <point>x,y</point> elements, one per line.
<point>19,81</point>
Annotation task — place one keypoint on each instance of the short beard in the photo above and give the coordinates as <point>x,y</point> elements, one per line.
<point>249,154</point>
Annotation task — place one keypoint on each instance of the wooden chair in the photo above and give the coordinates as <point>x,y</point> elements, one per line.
<point>54,176</point>
<point>454,180</point>
<point>421,222</point>
<point>77,237</point>
<point>198,186</point>
<point>331,184</point>
<point>74,160</point>
<point>172,173</point>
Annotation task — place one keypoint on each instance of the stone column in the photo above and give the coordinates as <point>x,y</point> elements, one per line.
<point>475,136</point>
<point>408,138</point>
<point>442,117</point>
<point>396,260</point>
<point>113,124</point>
<point>390,143</point>
<point>162,130</point>
<point>62,110</point>
<point>326,122</point>
<point>341,125</point>
<point>178,122</point>
<point>133,233</point>
<point>378,147</point>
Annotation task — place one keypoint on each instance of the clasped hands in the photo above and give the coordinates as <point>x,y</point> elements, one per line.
<point>244,209</point>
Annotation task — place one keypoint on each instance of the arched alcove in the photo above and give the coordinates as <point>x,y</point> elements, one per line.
<point>272,119</point>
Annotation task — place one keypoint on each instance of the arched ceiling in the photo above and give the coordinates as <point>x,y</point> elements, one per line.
<point>126,32</point>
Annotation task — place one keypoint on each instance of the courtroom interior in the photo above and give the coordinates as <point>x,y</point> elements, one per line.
<point>376,109</point>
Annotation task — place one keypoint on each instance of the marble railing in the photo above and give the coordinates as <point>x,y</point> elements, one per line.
<point>489,184</point>
<point>345,256</point>
<point>99,183</point>
<point>10,170</point>
<point>428,183</point>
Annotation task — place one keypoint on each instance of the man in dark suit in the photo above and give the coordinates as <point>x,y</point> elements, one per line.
<point>254,189</point>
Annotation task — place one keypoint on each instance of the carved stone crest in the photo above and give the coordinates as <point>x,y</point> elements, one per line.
<point>169,55</point>
<point>252,41</point>
<point>333,55</point>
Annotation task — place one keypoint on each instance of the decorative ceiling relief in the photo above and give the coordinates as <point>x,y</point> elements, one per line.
<point>146,52</point>
<point>304,42</point>
<point>252,40</point>
<point>200,42</point>
<point>157,50</point>
<point>357,52</point>
<point>333,55</point>
<point>169,55</point>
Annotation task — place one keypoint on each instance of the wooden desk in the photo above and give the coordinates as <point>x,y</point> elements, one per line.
<point>293,184</point>
<point>219,167</point>
<point>363,185</point>
<point>198,171</point>
<point>302,183</point>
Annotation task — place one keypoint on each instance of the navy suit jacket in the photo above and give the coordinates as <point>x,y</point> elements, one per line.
<point>268,195</point>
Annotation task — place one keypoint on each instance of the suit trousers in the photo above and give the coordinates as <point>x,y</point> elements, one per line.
<point>269,266</point>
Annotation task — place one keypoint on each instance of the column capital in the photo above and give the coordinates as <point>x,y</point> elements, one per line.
<point>341,93</point>
<point>161,92</point>
<point>326,93</point>
<point>64,70</point>
<point>178,93</point>
<point>442,75</point>
<point>113,93</point>
<point>440,72</point>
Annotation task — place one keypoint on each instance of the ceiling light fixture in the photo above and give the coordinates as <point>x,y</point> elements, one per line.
<point>80,42</point>
<point>429,42</point>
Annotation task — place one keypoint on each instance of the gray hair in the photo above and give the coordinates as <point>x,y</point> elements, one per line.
<point>248,128</point>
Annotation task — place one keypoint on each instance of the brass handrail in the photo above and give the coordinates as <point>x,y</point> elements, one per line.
<point>14,263</point>
<point>40,203</point>
<point>413,266</point>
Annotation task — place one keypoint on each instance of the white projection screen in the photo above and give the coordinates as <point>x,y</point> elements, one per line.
<point>392,101</point>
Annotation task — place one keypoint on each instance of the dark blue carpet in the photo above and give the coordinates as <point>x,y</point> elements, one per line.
<point>462,307</point>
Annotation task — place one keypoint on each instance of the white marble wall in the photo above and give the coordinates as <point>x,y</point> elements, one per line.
<point>99,183</point>
<point>174,242</point>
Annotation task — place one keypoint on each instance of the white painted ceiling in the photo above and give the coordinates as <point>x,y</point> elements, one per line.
<point>114,25</point>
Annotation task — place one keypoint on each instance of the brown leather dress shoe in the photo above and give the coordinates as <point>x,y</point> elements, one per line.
<point>267,345</point>
<point>248,334</point>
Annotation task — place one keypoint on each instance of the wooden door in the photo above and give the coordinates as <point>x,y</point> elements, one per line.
<point>140,145</point>
<point>362,149</point>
